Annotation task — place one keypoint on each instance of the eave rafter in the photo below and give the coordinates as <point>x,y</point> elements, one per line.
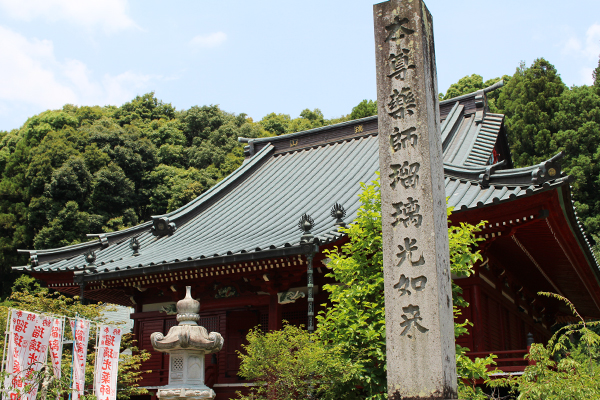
<point>172,277</point>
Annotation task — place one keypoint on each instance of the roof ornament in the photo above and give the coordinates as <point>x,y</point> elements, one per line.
<point>33,258</point>
<point>249,150</point>
<point>162,226</point>
<point>305,225</point>
<point>481,105</point>
<point>134,244</point>
<point>548,170</point>
<point>338,212</point>
<point>484,179</point>
<point>90,257</point>
<point>103,240</point>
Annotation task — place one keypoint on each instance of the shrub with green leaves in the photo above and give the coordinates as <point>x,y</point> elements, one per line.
<point>566,368</point>
<point>292,364</point>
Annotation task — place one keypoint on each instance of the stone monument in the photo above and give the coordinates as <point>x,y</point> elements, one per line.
<point>187,344</point>
<point>418,297</point>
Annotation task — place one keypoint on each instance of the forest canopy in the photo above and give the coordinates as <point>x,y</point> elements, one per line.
<point>92,169</point>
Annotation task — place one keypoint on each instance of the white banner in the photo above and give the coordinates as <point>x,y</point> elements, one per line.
<point>35,356</point>
<point>81,334</point>
<point>27,350</point>
<point>56,345</point>
<point>21,328</point>
<point>107,363</point>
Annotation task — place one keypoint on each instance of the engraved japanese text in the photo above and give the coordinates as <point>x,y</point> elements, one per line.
<point>412,318</point>
<point>405,283</point>
<point>408,252</point>
<point>407,212</point>
<point>405,174</point>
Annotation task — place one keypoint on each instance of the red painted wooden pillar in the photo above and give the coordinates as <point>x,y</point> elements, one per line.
<point>478,330</point>
<point>274,313</point>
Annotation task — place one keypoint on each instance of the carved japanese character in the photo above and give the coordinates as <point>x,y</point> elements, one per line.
<point>397,29</point>
<point>413,318</point>
<point>401,103</point>
<point>406,174</point>
<point>402,285</point>
<point>407,253</point>
<point>407,212</point>
<point>400,140</point>
<point>400,64</point>
<point>417,284</point>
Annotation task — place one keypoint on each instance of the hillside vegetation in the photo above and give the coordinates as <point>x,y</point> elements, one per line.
<point>79,170</point>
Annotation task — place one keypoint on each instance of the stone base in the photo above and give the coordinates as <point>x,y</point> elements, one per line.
<point>167,393</point>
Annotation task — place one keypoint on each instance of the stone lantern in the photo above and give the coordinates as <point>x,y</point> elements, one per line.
<point>187,344</point>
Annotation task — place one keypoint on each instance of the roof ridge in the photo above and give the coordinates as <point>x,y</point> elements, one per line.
<point>306,132</point>
<point>488,89</point>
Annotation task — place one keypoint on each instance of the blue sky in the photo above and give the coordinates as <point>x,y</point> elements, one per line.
<point>262,56</point>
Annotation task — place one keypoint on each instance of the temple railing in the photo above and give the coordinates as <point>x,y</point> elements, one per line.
<point>508,360</point>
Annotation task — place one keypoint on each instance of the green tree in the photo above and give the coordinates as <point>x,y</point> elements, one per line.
<point>465,85</point>
<point>112,190</point>
<point>473,83</point>
<point>365,108</point>
<point>530,101</point>
<point>68,227</point>
<point>142,109</point>
<point>290,363</point>
<point>566,368</point>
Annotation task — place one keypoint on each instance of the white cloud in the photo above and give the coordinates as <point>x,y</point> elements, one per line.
<point>588,48</point>
<point>111,15</point>
<point>30,75</point>
<point>27,72</point>
<point>123,87</point>
<point>592,42</point>
<point>211,40</point>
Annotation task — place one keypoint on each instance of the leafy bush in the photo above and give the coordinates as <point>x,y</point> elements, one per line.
<point>566,368</point>
<point>291,364</point>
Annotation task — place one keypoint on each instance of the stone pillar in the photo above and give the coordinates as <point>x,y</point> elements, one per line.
<point>418,297</point>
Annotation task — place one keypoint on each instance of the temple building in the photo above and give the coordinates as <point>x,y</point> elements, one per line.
<point>238,244</point>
